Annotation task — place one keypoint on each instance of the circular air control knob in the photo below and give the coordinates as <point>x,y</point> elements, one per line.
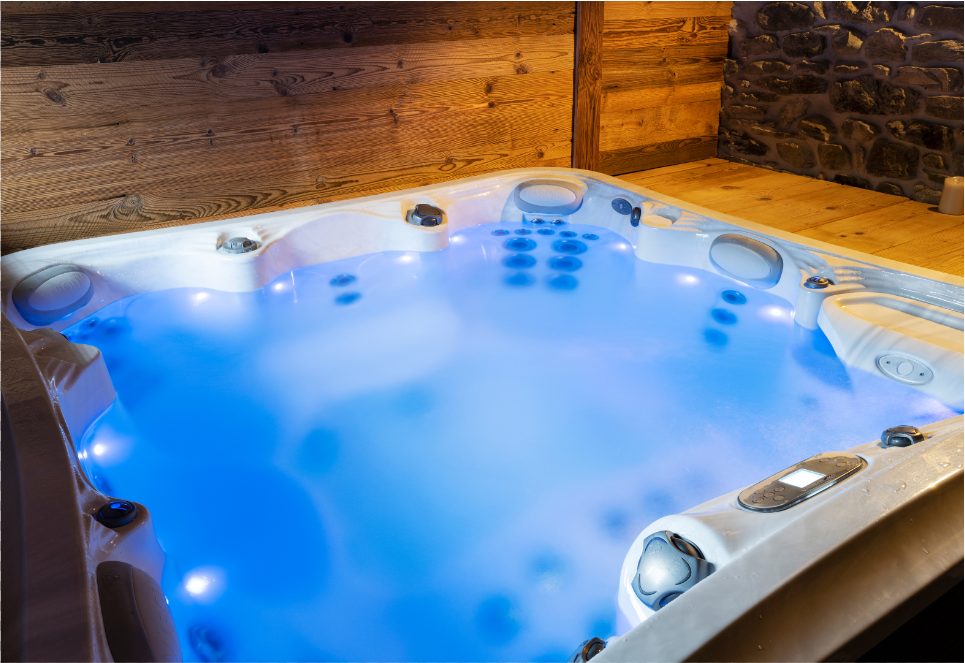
<point>116,513</point>
<point>427,216</point>
<point>237,245</point>
<point>818,283</point>
<point>901,436</point>
<point>587,650</point>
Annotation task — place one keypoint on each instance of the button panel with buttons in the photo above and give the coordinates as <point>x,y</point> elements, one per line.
<point>800,482</point>
<point>905,369</point>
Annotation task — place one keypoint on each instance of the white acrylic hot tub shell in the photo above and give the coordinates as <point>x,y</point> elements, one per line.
<point>805,583</point>
<point>760,560</point>
<point>670,232</point>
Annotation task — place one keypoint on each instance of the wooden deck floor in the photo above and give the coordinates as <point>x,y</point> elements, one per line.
<point>878,223</point>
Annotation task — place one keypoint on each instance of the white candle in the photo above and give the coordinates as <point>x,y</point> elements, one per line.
<point>951,202</point>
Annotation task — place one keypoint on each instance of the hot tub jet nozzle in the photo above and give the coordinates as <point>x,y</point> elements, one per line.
<point>668,566</point>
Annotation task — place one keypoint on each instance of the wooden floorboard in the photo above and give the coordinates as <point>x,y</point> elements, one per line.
<point>878,223</point>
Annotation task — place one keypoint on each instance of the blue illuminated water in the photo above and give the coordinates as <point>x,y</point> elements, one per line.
<point>445,456</point>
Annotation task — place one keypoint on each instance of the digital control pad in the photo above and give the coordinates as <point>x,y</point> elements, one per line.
<point>799,482</point>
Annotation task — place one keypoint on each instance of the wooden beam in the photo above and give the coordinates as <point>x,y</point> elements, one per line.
<point>588,85</point>
<point>655,155</point>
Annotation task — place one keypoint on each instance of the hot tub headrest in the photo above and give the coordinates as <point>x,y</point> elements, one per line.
<point>747,259</point>
<point>549,196</point>
<point>52,293</point>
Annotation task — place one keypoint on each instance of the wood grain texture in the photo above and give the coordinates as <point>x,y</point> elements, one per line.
<point>78,96</point>
<point>881,224</point>
<point>654,155</point>
<point>36,34</point>
<point>588,83</point>
<point>662,68</point>
<point>194,120</point>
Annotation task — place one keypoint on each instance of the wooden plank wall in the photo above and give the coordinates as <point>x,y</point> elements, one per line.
<point>130,116</point>
<point>662,73</point>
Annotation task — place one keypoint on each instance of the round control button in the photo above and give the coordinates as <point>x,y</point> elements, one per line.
<point>905,368</point>
<point>779,498</point>
<point>768,493</point>
<point>778,489</point>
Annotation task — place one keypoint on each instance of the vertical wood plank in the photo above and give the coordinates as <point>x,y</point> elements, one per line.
<point>588,85</point>
<point>662,70</point>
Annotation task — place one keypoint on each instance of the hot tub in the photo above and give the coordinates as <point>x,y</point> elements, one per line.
<point>449,423</point>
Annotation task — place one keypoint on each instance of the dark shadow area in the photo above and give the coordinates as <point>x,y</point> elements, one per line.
<point>934,634</point>
<point>11,551</point>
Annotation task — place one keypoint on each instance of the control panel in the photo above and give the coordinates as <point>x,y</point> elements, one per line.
<point>800,482</point>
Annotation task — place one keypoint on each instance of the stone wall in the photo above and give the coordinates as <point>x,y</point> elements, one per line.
<point>863,93</point>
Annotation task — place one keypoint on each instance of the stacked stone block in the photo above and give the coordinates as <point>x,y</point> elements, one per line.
<point>862,93</point>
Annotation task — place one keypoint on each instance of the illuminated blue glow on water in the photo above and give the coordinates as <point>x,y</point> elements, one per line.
<point>445,456</point>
